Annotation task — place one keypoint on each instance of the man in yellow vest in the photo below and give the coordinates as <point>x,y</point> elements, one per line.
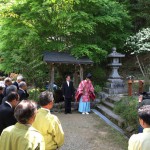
<point>22,136</point>
<point>141,141</point>
<point>48,124</point>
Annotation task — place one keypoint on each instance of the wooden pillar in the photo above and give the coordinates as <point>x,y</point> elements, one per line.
<point>51,77</point>
<point>130,87</point>
<point>81,72</point>
<point>140,86</point>
<point>76,83</point>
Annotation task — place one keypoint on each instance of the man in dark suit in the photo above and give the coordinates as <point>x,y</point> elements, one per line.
<point>68,93</point>
<point>11,88</point>
<point>7,82</point>
<point>7,111</point>
<point>23,90</point>
<point>19,79</point>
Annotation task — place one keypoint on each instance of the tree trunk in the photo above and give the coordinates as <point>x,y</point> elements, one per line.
<point>140,66</point>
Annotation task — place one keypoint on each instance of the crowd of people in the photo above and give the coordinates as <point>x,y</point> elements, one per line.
<point>23,126</point>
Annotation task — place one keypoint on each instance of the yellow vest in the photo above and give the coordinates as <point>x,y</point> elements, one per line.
<point>51,129</point>
<point>140,141</point>
<point>21,137</point>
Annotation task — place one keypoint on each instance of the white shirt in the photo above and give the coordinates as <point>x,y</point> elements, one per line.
<point>8,104</point>
<point>68,83</point>
<point>22,90</point>
<point>45,109</point>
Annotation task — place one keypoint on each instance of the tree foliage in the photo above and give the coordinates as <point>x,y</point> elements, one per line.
<point>83,28</point>
<point>139,12</point>
<point>140,42</point>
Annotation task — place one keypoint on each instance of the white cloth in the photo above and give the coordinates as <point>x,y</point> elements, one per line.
<point>68,83</point>
<point>8,104</point>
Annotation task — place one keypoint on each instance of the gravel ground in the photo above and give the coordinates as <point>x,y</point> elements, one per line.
<point>89,132</point>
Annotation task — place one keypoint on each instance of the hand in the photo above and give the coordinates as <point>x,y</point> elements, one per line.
<point>140,98</point>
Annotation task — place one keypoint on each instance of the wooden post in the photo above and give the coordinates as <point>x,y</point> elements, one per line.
<point>130,87</point>
<point>81,72</point>
<point>51,77</point>
<point>76,77</point>
<point>140,86</point>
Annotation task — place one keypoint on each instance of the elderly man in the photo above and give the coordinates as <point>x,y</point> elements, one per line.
<point>11,88</point>
<point>141,141</point>
<point>48,124</point>
<point>7,111</point>
<point>19,79</point>
<point>7,82</point>
<point>22,136</point>
<point>23,90</point>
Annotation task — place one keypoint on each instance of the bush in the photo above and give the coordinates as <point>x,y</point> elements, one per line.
<point>99,76</point>
<point>127,109</point>
<point>34,94</point>
<point>97,89</point>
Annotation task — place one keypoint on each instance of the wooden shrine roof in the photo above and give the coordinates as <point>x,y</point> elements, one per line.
<point>64,58</point>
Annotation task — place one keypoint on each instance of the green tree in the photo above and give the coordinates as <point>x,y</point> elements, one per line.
<point>139,44</point>
<point>83,28</point>
<point>139,12</point>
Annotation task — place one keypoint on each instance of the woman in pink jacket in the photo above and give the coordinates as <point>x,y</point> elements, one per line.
<point>86,92</point>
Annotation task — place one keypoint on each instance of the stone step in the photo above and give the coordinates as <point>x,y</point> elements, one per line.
<point>108,104</point>
<point>111,115</point>
<point>113,99</point>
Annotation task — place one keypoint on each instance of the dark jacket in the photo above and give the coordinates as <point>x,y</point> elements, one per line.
<point>23,94</point>
<point>16,84</point>
<point>1,97</point>
<point>68,91</point>
<point>6,116</point>
<point>4,92</point>
<point>144,102</point>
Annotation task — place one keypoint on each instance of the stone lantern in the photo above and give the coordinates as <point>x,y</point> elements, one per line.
<point>115,84</point>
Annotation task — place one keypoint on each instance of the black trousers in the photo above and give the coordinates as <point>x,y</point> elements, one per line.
<point>68,105</point>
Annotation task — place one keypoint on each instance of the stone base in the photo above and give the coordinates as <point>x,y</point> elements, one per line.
<point>115,86</point>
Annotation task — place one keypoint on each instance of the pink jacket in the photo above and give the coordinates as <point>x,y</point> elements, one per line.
<point>86,88</point>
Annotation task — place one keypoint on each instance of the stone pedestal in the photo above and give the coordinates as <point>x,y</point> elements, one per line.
<point>115,85</point>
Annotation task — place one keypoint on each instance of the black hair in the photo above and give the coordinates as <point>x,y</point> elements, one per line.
<point>144,113</point>
<point>1,88</point>
<point>67,75</point>
<point>45,98</point>
<point>146,95</point>
<point>25,110</point>
<point>11,96</point>
<point>89,76</point>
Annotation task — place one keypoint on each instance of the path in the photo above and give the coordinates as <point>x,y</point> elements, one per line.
<point>89,132</point>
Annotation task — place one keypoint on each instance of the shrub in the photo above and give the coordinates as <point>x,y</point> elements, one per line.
<point>127,109</point>
<point>99,76</point>
<point>34,94</point>
<point>97,89</point>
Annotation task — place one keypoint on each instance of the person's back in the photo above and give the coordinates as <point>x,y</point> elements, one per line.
<point>140,141</point>
<point>6,111</point>
<point>48,124</point>
<point>22,137</point>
